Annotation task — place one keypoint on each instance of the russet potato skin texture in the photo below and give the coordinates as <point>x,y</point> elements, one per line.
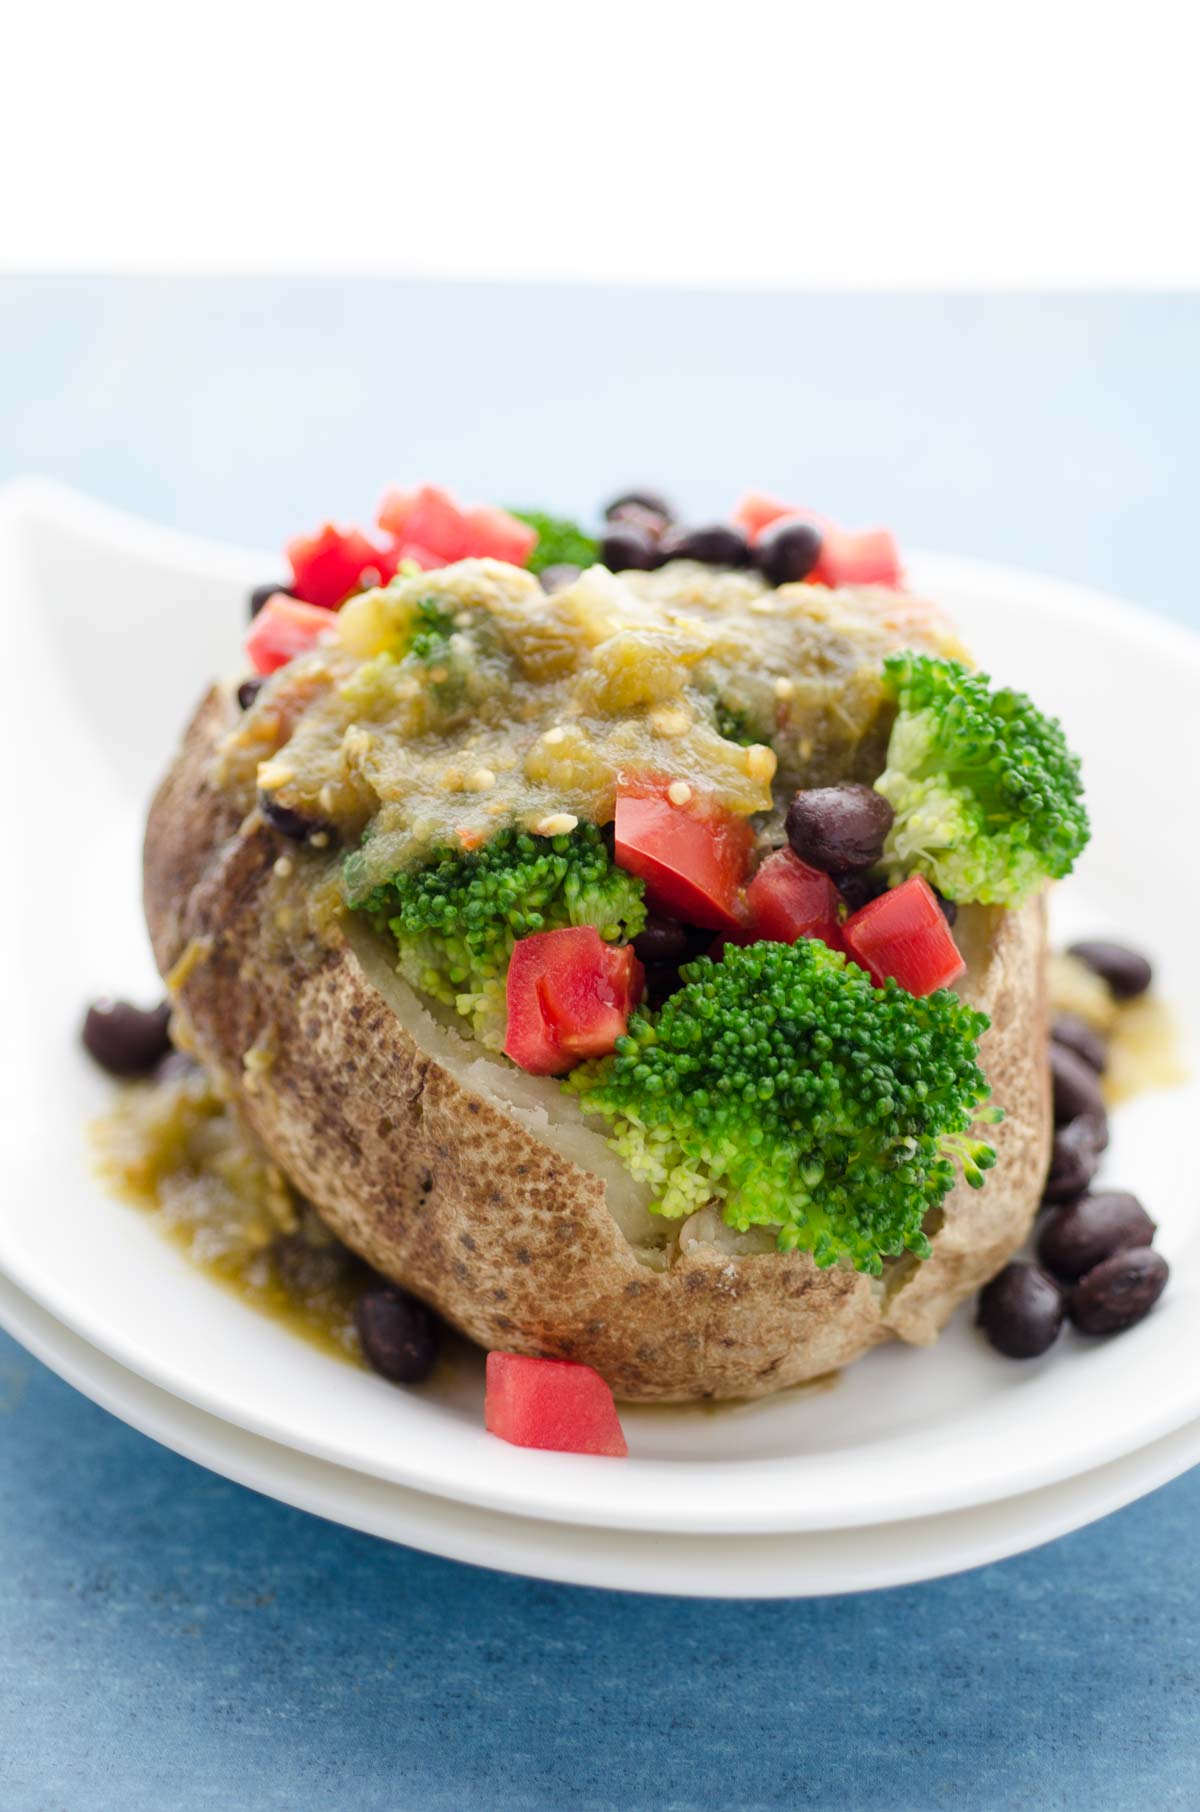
<point>444,1193</point>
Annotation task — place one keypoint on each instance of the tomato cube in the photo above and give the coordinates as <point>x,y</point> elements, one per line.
<point>870,558</point>
<point>493,534</point>
<point>434,520</point>
<point>328,567</point>
<point>553,1404</point>
<point>569,996</point>
<point>904,934</point>
<point>693,856</point>
<point>788,899</point>
<point>284,628</point>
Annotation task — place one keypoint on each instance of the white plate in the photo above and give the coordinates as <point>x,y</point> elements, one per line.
<point>811,1565</point>
<point>113,628</point>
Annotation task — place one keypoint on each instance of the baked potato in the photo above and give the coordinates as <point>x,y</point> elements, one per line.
<point>483,1189</point>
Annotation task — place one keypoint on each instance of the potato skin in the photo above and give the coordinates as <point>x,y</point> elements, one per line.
<point>442,1192</point>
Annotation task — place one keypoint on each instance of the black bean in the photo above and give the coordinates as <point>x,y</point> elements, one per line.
<point>557,578</point>
<point>787,550</point>
<point>297,825</point>
<point>1076,1086</point>
<point>636,515</point>
<point>1021,1311</point>
<point>645,500</point>
<point>1074,1160</point>
<point>1097,1128</point>
<point>662,980</point>
<point>248,691</point>
<point>126,1040</point>
<point>399,1333</point>
<point>1075,1238</point>
<point>661,940</point>
<point>713,544</point>
<point>261,593</point>
<point>1126,971</point>
<point>1077,1035</point>
<point>1118,1291</point>
<point>859,888</point>
<point>839,829</point>
<point>624,548</point>
<point>949,907</point>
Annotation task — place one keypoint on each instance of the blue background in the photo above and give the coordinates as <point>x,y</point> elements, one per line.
<point>169,1641</point>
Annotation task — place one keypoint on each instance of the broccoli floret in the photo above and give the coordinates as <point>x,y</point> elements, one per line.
<point>455,919</point>
<point>986,793</point>
<point>559,541</point>
<point>782,1084</point>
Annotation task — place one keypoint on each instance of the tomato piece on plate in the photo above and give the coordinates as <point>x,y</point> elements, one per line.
<point>493,534</point>
<point>870,558</point>
<point>569,996</point>
<point>693,857</point>
<point>331,565</point>
<point>788,899</point>
<point>904,934</point>
<point>553,1404</point>
<point>284,628</point>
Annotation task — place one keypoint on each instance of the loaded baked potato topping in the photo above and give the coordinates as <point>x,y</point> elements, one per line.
<point>670,833</point>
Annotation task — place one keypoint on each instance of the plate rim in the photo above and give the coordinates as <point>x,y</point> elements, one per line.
<point>58,505</point>
<point>592,1557</point>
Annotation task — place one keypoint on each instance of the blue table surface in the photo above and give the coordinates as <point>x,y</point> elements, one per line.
<point>170,1641</point>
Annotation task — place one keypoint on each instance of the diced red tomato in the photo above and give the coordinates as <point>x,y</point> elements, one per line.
<point>553,1404</point>
<point>493,534</point>
<point>788,899</point>
<point>569,996</point>
<point>904,934</point>
<point>331,565</point>
<point>393,513</point>
<point>694,857</point>
<point>434,520</point>
<point>870,558</point>
<point>284,628</point>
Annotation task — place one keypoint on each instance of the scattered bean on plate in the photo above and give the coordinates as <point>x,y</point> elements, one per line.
<point>1021,1311</point>
<point>1076,1086</point>
<point>1119,1291</point>
<point>1069,1030</point>
<point>248,691</point>
<point>1126,971</point>
<point>787,550</point>
<point>1074,1159</point>
<point>839,829</point>
<point>399,1333</point>
<point>126,1040</point>
<point>1081,1234</point>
